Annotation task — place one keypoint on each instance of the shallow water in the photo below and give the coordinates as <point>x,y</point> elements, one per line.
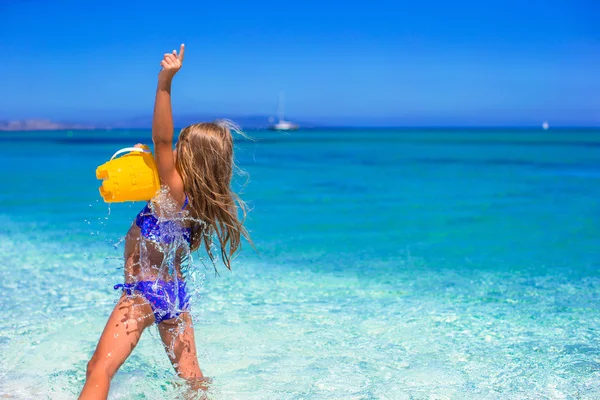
<point>391,265</point>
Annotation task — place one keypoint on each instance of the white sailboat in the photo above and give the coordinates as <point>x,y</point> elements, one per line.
<point>545,125</point>
<point>282,124</point>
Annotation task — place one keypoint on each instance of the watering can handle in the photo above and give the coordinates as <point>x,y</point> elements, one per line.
<point>126,149</point>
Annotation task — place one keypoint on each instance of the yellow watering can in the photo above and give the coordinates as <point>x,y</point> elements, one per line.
<point>132,177</point>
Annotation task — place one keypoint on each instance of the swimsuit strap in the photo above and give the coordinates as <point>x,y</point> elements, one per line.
<point>127,287</point>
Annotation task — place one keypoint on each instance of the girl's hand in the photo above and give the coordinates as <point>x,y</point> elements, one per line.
<point>171,63</point>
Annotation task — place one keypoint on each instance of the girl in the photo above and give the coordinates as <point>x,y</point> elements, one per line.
<point>198,205</point>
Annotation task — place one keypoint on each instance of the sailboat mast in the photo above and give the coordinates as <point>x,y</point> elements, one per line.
<point>281,100</point>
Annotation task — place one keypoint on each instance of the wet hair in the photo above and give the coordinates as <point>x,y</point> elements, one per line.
<point>206,164</point>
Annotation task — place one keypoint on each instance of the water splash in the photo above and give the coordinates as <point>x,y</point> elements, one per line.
<point>169,260</point>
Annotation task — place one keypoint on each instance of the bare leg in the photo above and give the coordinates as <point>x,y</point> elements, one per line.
<point>178,337</point>
<point>121,334</point>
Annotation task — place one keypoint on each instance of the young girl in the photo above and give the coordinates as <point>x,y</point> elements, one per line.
<point>200,205</point>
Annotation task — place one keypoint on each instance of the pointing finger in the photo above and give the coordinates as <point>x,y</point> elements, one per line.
<point>181,51</point>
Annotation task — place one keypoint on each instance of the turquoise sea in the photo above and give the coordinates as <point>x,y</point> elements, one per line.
<point>391,264</point>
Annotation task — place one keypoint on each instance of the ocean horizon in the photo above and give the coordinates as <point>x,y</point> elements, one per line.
<point>399,127</point>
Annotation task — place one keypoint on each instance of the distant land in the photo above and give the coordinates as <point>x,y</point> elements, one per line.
<point>39,125</point>
<point>142,122</point>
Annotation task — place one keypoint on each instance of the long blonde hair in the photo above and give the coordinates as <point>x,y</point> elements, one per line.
<point>205,162</point>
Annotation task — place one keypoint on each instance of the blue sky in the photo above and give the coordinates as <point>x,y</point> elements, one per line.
<point>397,63</point>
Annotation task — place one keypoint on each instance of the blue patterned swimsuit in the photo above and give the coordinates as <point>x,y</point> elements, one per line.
<point>168,299</point>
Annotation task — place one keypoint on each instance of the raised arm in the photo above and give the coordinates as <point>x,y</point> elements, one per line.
<point>162,126</point>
